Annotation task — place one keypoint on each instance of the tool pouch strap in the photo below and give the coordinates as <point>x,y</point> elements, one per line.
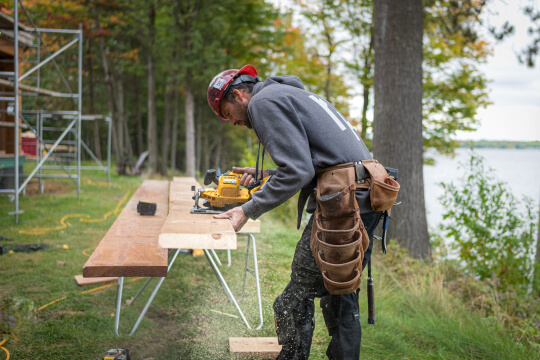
<point>338,237</point>
<point>384,189</point>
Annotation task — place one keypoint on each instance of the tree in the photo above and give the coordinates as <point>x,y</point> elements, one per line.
<point>529,54</point>
<point>454,88</point>
<point>152,117</point>
<point>327,37</point>
<point>358,22</point>
<point>397,127</point>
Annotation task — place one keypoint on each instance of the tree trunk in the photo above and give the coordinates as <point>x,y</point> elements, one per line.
<point>330,43</point>
<point>110,98</point>
<point>174,132</point>
<point>365,107</point>
<point>127,140</point>
<point>368,63</point>
<point>206,147</point>
<point>165,138</point>
<point>176,59</point>
<point>198,138</point>
<point>190,131</point>
<point>119,95</point>
<point>140,136</point>
<point>397,128</point>
<point>95,123</point>
<point>152,121</point>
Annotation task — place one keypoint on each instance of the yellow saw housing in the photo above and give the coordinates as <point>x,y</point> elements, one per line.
<point>228,192</point>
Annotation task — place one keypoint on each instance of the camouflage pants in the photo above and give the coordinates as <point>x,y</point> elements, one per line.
<point>294,308</point>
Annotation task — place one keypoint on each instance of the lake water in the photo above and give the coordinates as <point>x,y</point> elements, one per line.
<point>519,168</point>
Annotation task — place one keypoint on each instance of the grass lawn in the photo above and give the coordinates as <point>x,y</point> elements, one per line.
<point>417,318</point>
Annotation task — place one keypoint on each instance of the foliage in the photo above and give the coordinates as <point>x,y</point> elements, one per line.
<point>446,281</point>
<point>454,88</point>
<point>530,53</point>
<point>492,231</point>
<point>420,314</point>
<point>326,42</point>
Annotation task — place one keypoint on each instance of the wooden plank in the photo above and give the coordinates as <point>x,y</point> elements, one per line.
<point>12,125</point>
<point>184,179</point>
<point>82,281</point>
<point>130,246</point>
<point>30,88</point>
<point>259,347</point>
<point>183,230</point>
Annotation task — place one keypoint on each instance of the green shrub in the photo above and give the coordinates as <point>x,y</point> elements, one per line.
<point>493,232</point>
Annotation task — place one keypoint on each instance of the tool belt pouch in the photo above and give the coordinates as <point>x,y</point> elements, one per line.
<point>384,189</point>
<point>338,237</point>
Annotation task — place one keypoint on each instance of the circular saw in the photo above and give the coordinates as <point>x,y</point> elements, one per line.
<point>226,196</point>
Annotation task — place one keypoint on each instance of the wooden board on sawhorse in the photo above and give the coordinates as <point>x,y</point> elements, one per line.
<point>130,249</point>
<point>184,230</point>
<point>130,246</point>
<point>258,347</point>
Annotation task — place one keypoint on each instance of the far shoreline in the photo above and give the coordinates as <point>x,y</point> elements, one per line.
<point>498,144</point>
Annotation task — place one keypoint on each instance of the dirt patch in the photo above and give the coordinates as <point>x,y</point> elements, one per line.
<point>49,188</point>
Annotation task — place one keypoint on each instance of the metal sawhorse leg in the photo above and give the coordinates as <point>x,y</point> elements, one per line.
<point>254,272</point>
<point>213,252</point>
<point>119,297</point>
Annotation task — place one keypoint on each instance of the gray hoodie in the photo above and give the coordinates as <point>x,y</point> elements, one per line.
<point>303,134</point>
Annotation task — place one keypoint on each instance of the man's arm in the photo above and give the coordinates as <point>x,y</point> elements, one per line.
<point>283,135</point>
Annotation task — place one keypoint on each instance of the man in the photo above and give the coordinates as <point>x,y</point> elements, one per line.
<point>303,134</point>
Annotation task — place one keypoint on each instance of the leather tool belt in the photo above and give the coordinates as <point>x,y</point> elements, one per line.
<point>338,237</point>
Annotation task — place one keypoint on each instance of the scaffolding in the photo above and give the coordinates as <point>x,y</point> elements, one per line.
<point>69,121</point>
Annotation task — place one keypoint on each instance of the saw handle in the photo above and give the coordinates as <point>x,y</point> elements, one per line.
<point>211,177</point>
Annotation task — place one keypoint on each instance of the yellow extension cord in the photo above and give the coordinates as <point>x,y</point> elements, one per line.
<point>85,218</point>
<point>5,350</point>
<point>82,218</point>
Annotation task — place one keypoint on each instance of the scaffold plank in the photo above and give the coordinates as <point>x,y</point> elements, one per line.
<point>31,88</point>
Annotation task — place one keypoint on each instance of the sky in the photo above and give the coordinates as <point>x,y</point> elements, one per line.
<point>514,89</point>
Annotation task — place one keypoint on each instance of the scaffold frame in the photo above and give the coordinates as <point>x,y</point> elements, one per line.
<point>22,118</point>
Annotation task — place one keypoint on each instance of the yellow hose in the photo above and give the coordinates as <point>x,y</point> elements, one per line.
<point>82,218</point>
<point>5,350</point>
<point>88,292</point>
<point>84,252</point>
<point>41,231</point>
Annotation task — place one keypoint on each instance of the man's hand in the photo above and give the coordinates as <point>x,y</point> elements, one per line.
<point>248,176</point>
<point>236,215</point>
